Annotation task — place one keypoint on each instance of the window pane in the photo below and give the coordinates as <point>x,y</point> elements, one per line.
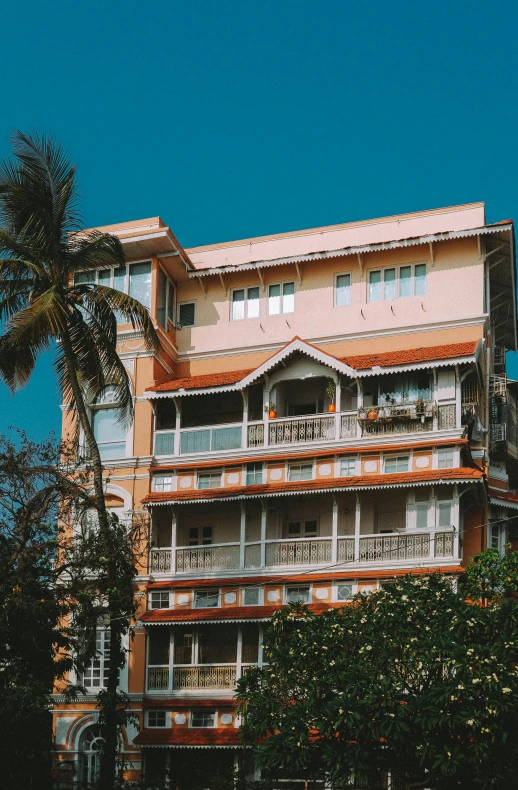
<point>390,283</point>
<point>158,654</point>
<point>344,592</point>
<point>183,645</point>
<point>444,517</point>
<point>374,286</point>
<point>420,279</point>
<point>119,279</point>
<point>162,297</point>
<point>140,283</point>
<point>294,594</point>
<point>104,277</point>
<point>348,467</point>
<point>84,277</point>
<point>250,648</point>
<point>238,304</point>
<point>274,299</point>
<point>170,301</point>
<point>254,474</point>
<point>405,281</point>
<point>343,289</point>
<point>205,598</point>
<point>203,719</point>
<point>217,644</point>
<point>421,515</point>
<point>187,314</point>
<point>303,472</point>
<point>251,596</point>
<point>156,718</point>
<point>105,426</point>
<point>253,303</point>
<point>288,298</point>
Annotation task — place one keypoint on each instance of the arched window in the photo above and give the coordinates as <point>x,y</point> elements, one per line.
<point>109,431</point>
<point>89,756</point>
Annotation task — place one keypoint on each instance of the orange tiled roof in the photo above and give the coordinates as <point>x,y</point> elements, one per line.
<point>366,449</point>
<point>401,478</point>
<point>223,613</point>
<point>201,382</point>
<point>411,355</point>
<point>325,576</point>
<point>208,736</point>
<point>508,496</point>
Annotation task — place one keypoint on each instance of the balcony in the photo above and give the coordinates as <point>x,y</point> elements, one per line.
<point>221,557</point>
<point>303,551</point>
<point>197,678</point>
<point>415,546</point>
<point>411,417</point>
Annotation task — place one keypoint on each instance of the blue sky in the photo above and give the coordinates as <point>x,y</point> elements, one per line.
<point>233,118</point>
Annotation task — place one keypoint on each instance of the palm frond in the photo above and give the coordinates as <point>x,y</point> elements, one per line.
<point>135,312</point>
<point>17,360</point>
<point>94,250</point>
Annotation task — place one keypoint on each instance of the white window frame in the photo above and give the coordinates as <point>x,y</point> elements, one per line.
<point>397,269</point>
<point>167,294</point>
<point>200,539</point>
<point>255,472</point>
<point>212,591</point>
<point>160,483</point>
<point>167,717</point>
<point>297,587</point>
<point>349,289</point>
<point>293,467</point>
<point>303,527</point>
<point>282,297</point>
<point>127,266</point>
<point>260,596</point>
<point>216,476</point>
<point>246,303</point>
<point>396,459</point>
<point>164,596</point>
<point>344,584</point>
<point>179,307</point>
<point>442,453</point>
<point>101,658</point>
<point>351,462</point>
<point>97,406</point>
<point>213,713</point>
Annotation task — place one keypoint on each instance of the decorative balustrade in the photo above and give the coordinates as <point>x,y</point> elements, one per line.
<point>447,416</point>
<point>391,548</point>
<point>349,426</point>
<point>301,551</point>
<point>253,555</point>
<point>401,418</point>
<point>221,557</point>
<point>256,434</point>
<point>345,550</point>
<point>302,429</point>
<point>160,560</point>
<point>444,544</point>
<point>194,678</point>
<point>158,678</point>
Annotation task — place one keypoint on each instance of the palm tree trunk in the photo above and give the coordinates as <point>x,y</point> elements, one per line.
<point>117,653</point>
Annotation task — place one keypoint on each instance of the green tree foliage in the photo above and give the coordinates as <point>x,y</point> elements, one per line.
<point>42,248</point>
<point>412,679</point>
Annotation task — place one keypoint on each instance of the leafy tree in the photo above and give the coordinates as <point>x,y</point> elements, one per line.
<point>42,247</point>
<point>411,680</point>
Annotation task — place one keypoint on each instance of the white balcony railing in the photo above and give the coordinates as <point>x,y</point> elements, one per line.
<point>218,557</point>
<point>411,546</point>
<point>158,678</point>
<point>194,678</point>
<point>301,551</point>
<point>160,561</point>
<point>408,417</point>
<point>294,430</point>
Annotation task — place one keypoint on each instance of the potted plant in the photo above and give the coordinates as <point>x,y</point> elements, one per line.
<point>330,395</point>
<point>372,414</point>
<point>271,410</point>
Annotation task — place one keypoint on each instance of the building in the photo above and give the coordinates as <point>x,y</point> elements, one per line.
<point>329,410</point>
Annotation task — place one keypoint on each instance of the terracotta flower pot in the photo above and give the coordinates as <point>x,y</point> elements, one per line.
<point>331,408</point>
<point>272,414</point>
<point>372,415</point>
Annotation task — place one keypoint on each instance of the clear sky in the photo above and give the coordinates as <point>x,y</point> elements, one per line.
<point>233,118</point>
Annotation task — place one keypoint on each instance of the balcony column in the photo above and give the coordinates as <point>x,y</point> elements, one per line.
<point>456,522</point>
<point>266,415</point>
<point>239,652</point>
<point>458,398</point>
<point>244,429</point>
<point>178,407</point>
<point>264,513</point>
<point>360,405</point>
<point>357,528</point>
<point>174,528</point>
<point>334,532</point>
<point>242,536</point>
<point>434,399</point>
<point>338,415</point>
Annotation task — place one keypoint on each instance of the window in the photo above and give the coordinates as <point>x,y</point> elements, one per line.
<point>250,643</point>
<point>96,673</point>
<point>251,596</point>
<point>254,474</point>
<point>300,472</point>
<point>108,427</point>
<point>422,507</point>
<point>397,282</point>
<point>133,279</point>
<point>347,467</point>
<point>344,592</point>
<point>245,303</point>
<point>209,479</point>
<point>444,507</point>
<point>159,600</point>
<point>158,646</point>
<point>302,529</point>
<point>281,298</point>
<point>342,290</point>
<point>396,463</point>
<point>183,645</point>
<point>296,594</point>
<point>165,311</point>
<point>156,718</point>
<point>200,536</point>
<point>187,313</point>
<point>163,482</point>
<point>204,599</point>
<point>203,718</point>
<point>445,459</point>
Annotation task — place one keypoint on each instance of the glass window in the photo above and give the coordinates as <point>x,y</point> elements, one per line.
<point>444,514</point>
<point>253,303</point>
<point>187,313</point>
<point>288,297</point>
<point>281,298</point>
<point>374,286</point>
<point>254,474</point>
<point>495,537</point>
<point>343,289</point>
<point>96,673</point>
<point>300,472</point>
<point>420,279</point>
<point>250,643</point>
<point>158,646</point>
<point>296,594</point>
<point>251,596</point>
<point>156,718</point>
<point>140,283</point>
<point>165,310</point>
<point>344,592</point>
<point>163,482</point>
<point>421,515</point>
<point>204,599</point>
<point>396,464</point>
<point>200,536</point>
<point>203,718</point>
<point>238,304</point>
<point>109,430</point>
<point>159,600</point>
<point>209,479</point>
<point>445,459</point>
<point>274,299</point>
<point>183,645</point>
<point>303,529</point>
<point>405,281</point>
<point>217,644</point>
<point>389,277</point>
<point>348,467</point>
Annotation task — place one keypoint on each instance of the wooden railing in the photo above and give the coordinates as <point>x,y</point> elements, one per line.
<point>158,678</point>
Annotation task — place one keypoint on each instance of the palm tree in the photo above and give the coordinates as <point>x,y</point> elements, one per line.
<point>43,247</point>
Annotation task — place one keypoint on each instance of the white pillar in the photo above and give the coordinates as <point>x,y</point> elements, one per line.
<point>334,532</point>
<point>244,429</point>
<point>456,522</point>
<point>357,528</point>
<point>360,404</point>
<point>242,536</point>
<point>434,399</point>
<point>174,539</point>
<point>178,405</point>
<point>239,656</point>
<point>264,514</point>
<point>338,403</point>
<point>266,415</point>
<point>458,398</point>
